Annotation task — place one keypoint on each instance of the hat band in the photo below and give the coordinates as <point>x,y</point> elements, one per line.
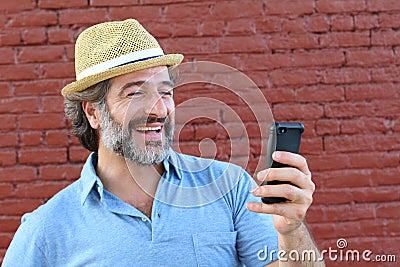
<point>122,60</point>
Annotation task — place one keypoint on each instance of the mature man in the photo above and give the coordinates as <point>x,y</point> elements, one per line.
<point>137,202</point>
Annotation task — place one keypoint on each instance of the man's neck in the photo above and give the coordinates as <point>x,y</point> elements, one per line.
<point>134,184</point>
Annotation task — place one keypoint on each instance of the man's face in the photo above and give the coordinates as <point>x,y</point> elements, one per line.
<point>138,120</point>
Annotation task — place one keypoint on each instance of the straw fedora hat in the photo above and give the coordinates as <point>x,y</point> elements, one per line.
<point>111,49</point>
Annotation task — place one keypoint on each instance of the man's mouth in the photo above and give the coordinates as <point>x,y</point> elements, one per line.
<point>149,129</point>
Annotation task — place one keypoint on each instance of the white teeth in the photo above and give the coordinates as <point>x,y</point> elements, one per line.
<point>142,129</point>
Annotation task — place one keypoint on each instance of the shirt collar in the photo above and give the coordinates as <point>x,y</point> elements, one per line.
<point>89,177</point>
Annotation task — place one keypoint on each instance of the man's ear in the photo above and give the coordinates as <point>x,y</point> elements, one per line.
<point>92,114</point>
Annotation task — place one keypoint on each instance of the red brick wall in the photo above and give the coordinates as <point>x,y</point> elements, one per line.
<point>333,65</point>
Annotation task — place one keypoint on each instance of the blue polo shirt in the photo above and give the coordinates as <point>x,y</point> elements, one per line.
<point>199,218</point>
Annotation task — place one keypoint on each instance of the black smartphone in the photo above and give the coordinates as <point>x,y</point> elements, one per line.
<point>283,136</point>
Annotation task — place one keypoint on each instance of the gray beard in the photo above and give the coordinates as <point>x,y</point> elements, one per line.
<point>119,140</point>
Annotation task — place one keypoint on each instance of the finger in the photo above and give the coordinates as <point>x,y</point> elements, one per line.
<point>287,210</point>
<point>292,175</point>
<point>290,192</point>
<point>292,159</point>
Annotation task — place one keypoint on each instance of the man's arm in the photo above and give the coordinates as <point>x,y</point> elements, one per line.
<point>294,240</point>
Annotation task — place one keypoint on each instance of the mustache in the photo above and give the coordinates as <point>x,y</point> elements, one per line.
<point>150,119</point>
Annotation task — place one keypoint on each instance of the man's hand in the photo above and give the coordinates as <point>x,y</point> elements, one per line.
<point>288,216</point>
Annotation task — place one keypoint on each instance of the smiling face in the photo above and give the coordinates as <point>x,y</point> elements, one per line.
<point>138,120</point>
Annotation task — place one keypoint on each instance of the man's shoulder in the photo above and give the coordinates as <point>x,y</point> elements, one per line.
<point>57,206</point>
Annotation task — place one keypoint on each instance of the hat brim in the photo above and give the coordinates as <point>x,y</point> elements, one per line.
<point>83,84</point>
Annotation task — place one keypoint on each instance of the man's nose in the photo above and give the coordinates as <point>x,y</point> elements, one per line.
<point>156,106</point>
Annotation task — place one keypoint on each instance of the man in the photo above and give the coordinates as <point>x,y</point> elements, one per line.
<point>137,202</point>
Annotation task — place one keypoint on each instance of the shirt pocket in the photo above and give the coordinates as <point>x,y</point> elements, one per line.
<point>215,249</point>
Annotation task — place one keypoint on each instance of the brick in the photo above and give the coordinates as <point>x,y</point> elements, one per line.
<point>77,154</point>
<point>318,58</point>
<point>360,142</point>
<point>60,36</point>
<point>345,39</point>
<point>9,224</point>
<point>18,72</point>
<point>311,146</point>
<point>333,196</point>
<point>265,61</point>
<point>7,55</point>
<point>52,104</point>
<point>17,174</point>
<point>279,95</point>
<point>269,24</point>
<point>385,108</point>
<point>279,7</point>
<point>366,22</point>
<point>241,43</point>
<point>184,29</point>
<point>342,23</point>
<point>18,207</point>
<point>56,138</point>
<point>38,87</point>
<point>8,140</point>
<point>143,14</point>
<point>388,20</point>
<point>377,159</point>
<point>17,5</point>
<point>376,194</point>
<point>60,172</point>
<point>293,77</point>
<point>106,3</point>
<point>31,139</point>
<point>295,25</point>
<point>319,94</point>
<point>318,23</point>
<point>175,12</point>
<point>188,46</point>
<point>7,122</point>
<point>18,105</point>
<point>294,111</point>
<point>292,41</point>
<point>62,4</point>
<point>362,125</point>
<point>371,57</point>
<point>388,210</point>
<point>383,5</point>
<point>10,37</point>
<point>33,18</point>
<point>40,156</point>
<point>385,38</point>
<point>42,121</point>
<point>211,28</point>
<point>372,91</point>
<point>184,132</point>
<point>386,74</point>
<point>227,10</point>
<point>347,178</point>
<point>212,131</point>
<point>327,127</point>
<point>6,190</point>
<point>57,70</point>
<point>41,54</point>
<point>5,90</point>
<point>82,16</point>
<point>340,6</point>
<point>328,162</point>
<point>387,176</point>
<point>33,36</point>
<point>346,76</point>
<point>38,190</point>
<point>240,27</point>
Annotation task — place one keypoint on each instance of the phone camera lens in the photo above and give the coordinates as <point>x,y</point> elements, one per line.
<point>282,130</point>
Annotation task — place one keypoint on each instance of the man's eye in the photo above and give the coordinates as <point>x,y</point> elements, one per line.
<point>166,93</point>
<point>135,94</point>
